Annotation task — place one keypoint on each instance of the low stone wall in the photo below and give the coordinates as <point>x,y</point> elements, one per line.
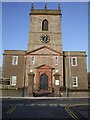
<point>13,93</point>
<point>75,94</point>
<point>78,94</point>
<point>19,93</point>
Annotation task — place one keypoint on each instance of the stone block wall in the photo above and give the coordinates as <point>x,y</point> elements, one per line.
<point>79,71</point>
<point>9,70</point>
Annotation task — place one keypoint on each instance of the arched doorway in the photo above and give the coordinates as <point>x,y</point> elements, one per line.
<point>44,82</point>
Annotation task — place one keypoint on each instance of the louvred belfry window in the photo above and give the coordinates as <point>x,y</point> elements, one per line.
<point>45,25</point>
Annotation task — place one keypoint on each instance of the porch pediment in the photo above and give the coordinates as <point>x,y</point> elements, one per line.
<point>44,67</point>
<point>44,51</point>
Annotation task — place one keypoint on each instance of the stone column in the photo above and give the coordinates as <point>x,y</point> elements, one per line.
<point>57,85</point>
<point>30,84</point>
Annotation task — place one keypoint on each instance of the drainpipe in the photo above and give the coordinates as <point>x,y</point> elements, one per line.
<point>24,76</point>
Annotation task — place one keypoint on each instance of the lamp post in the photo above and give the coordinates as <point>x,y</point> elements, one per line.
<point>24,75</point>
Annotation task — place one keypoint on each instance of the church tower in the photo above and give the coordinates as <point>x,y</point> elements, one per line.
<point>44,53</point>
<point>45,29</point>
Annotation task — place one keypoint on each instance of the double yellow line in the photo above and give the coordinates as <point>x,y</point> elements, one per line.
<point>11,109</point>
<point>72,114</point>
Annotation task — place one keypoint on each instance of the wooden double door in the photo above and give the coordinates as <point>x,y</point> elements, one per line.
<point>44,82</point>
<point>44,77</point>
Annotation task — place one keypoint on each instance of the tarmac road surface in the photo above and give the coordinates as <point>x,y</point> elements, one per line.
<point>64,108</point>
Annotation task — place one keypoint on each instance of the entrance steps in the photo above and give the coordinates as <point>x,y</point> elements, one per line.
<point>43,93</point>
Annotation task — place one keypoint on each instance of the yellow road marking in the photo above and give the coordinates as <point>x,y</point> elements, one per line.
<point>72,114</point>
<point>69,113</point>
<point>11,109</point>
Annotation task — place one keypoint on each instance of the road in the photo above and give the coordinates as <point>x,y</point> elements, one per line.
<point>66,108</point>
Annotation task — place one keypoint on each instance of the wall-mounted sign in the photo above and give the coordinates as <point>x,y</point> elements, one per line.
<point>56,82</point>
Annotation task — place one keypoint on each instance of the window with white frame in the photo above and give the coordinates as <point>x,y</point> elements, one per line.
<point>74,61</point>
<point>13,80</point>
<point>15,60</point>
<point>33,59</point>
<point>56,60</point>
<point>75,81</point>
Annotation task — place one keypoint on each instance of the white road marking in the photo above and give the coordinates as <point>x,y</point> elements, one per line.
<point>63,105</point>
<point>53,105</point>
<point>30,105</point>
<point>41,104</point>
<point>19,104</point>
<point>50,105</point>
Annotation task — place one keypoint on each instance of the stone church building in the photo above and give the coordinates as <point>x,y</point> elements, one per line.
<point>44,68</point>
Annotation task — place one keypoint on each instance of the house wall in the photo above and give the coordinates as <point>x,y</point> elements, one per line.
<point>79,71</point>
<point>9,70</point>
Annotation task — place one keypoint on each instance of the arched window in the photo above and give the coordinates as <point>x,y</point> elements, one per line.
<point>45,25</point>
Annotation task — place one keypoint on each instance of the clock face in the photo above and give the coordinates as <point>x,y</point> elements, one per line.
<point>45,38</point>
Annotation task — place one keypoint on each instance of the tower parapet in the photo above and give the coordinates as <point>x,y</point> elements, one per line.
<point>45,11</point>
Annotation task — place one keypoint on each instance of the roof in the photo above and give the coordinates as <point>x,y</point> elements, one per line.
<point>14,52</point>
<point>75,53</point>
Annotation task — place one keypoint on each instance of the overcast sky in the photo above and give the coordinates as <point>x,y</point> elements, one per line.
<point>16,25</point>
